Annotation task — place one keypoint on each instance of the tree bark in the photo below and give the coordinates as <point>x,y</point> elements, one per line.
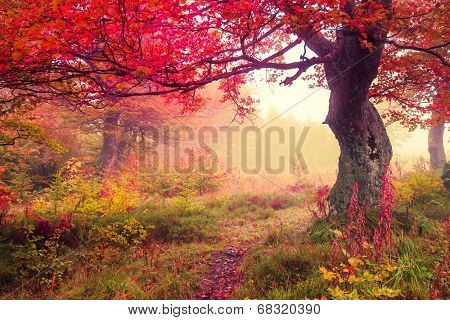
<point>359,129</point>
<point>436,146</point>
<point>365,152</point>
<point>108,155</point>
<point>142,149</point>
<point>127,139</point>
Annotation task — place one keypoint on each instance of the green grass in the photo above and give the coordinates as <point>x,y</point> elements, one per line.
<point>182,235</point>
<point>321,231</point>
<point>283,266</point>
<point>277,272</point>
<point>286,252</point>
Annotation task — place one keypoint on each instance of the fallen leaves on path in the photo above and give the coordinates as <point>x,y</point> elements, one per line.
<point>224,275</point>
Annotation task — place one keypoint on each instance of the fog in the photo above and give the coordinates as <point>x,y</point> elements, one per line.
<point>264,146</point>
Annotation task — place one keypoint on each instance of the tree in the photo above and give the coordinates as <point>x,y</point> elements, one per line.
<point>436,133</point>
<point>126,126</point>
<point>436,145</point>
<point>115,133</point>
<point>136,48</point>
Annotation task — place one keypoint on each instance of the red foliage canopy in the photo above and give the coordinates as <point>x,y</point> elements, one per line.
<point>92,51</point>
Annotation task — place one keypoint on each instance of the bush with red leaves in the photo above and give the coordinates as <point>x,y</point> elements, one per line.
<point>322,203</point>
<point>257,201</point>
<point>279,203</point>
<point>46,229</point>
<point>6,198</point>
<point>382,234</point>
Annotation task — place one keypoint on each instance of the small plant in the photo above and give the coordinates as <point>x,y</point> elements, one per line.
<point>359,279</point>
<point>354,233</point>
<point>321,231</point>
<point>125,234</point>
<point>441,283</point>
<point>187,205</point>
<point>47,229</point>
<point>322,207</point>
<point>119,195</point>
<point>382,233</point>
<point>279,203</point>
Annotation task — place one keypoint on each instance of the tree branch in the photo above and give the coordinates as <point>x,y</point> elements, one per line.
<point>425,50</point>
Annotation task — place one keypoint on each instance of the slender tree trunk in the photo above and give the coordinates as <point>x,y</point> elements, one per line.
<point>108,155</point>
<point>436,146</point>
<point>142,149</point>
<point>359,129</point>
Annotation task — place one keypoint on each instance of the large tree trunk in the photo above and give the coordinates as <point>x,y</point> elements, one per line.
<point>436,146</point>
<point>365,152</point>
<point>359,129</point>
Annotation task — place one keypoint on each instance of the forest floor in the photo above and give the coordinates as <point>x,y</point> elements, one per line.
<point>224,274</point>
<point>195,251</point>
<point>224,246</point>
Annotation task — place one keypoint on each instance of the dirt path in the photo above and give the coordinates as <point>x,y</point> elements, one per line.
<point>224,275</point>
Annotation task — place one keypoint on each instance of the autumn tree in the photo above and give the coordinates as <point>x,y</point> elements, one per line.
<point>128,126</point>
<point>137,48</point>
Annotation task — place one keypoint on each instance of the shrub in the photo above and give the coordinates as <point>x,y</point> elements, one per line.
<point>279,203</point>
<point>420,190</point>
<point>73,190</point>
<point>187,205</point>
<point>119,194</point>
<point>359,279</point>
<point>42,262</point>
<point>76,189</point>
<point>6,198</point>
<point>174,184</point>
<point>21,185</point>
<point>128,233</point>
<point>32,226</point>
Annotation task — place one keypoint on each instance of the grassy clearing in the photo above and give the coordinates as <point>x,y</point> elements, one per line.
<point>160,248</point>
<point>180,237</point>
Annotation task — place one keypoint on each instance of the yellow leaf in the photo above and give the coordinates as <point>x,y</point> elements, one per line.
<point>389,268</point>
<point>338,233</point>
<point>353,279</point>
<point>354,262</point>
<point>345,252</point>
<point>327,275</point>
